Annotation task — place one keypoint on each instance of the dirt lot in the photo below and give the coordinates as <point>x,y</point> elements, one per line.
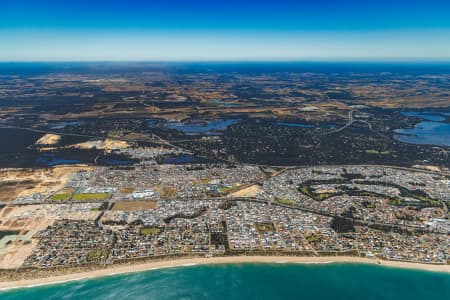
<point>10,189</point>
<point>134,205</point>
<point>23,182</point>
<point>251,191</point>
<point>23,220</point>
<point>48,139</point>
<point>106,145</point>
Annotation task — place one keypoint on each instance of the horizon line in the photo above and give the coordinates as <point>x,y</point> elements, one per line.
<point>242,60</point>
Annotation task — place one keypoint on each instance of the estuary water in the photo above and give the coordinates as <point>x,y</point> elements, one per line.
<point>253,281</point>
<point>205,127</point>
<point>432,130</point>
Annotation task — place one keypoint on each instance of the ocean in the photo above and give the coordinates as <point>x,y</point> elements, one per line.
<point>253,281</point>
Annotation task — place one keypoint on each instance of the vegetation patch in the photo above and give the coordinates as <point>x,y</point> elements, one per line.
<point>285,201</point>
<point>421,197</point>
<point>202,181</point>
<point>313,238</point>
<point>369,205</point>
<point>342,225</point>
<point>166,191</point>
<point>227,204</point>
<point>98,254</point>
<point>265,227</point>
<point>226,190</point>
<point>307,190</point>
<point>150,230</point>
<point>423,200</point>
<point>376,152</point>
<point>4,233</point>
<point>90,196</point>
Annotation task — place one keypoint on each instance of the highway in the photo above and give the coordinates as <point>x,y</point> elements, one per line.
<point>350,121</point>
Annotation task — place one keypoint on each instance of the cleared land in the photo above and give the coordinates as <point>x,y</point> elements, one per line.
<point>24,182</point>
<point>134,205</point>
<point>10,189</point>
<point>251,191</point>
<point>48,139</point>
<point>17,242</point>
<point>107,145</point>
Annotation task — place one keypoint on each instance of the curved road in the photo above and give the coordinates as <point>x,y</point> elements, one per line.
<point>350,121</point>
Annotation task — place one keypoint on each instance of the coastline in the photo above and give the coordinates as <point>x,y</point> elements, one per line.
<point>185,262</point>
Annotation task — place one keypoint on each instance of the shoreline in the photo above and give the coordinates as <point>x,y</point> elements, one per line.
<point>186,262</point>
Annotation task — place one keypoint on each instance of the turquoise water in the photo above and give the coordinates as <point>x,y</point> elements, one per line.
<point>254,281</point>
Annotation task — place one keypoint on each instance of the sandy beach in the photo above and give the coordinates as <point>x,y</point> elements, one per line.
<point>215,260</point>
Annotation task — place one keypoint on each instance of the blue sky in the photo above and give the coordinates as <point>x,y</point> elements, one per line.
<point>224,30</point>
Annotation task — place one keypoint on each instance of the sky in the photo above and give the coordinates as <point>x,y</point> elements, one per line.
<point>177,30</point>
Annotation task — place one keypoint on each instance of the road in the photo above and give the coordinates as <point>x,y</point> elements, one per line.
<point>350,121</point>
